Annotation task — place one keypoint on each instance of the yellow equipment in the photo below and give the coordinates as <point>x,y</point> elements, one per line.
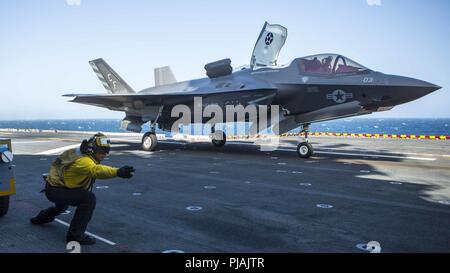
<point>7,182</point>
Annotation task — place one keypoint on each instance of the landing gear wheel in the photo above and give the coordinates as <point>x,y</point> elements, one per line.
<point>4,205</point>
<point>305,150</point>
<point>149,141</point>
<point>219,138</point>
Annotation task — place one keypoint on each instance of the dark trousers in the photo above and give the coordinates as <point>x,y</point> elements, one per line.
<point>82,199</point>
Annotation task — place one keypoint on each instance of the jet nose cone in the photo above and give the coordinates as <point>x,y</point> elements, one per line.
<point>405,89</point>
<point>405,81</point>
<point>427,87</point>
<point>423,85</point>
<point>433,87</point>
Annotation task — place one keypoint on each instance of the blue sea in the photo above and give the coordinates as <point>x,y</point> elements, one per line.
<point>417,126</point>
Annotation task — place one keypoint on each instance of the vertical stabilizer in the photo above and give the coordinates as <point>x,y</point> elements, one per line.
<point>163,76</point>
<point>112,82</point>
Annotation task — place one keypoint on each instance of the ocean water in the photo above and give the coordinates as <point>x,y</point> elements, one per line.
<point>417,126</point>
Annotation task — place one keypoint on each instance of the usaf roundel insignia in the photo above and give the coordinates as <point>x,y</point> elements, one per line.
<point>269,38</point>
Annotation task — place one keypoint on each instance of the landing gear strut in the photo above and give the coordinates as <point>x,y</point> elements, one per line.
<point>305,149</point>
<point>149,140</point>
<point>218,137</point>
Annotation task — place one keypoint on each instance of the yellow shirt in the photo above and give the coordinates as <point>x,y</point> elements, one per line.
<point>83,170</point>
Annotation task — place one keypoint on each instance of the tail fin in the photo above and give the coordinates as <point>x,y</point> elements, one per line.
<point>112,82</point>
<point>163,76</point>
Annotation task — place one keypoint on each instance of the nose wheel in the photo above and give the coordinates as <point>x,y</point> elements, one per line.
<point>305,149</point>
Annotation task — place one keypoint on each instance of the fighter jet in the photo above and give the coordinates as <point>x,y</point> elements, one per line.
<point>308,89</point>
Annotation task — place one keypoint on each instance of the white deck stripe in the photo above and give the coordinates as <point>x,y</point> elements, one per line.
<point>334,153</point>
<point>33,142</point>
<point>370,155</point>
<point>357,154</point>
<point>58,150</point>
<point>88,233</point>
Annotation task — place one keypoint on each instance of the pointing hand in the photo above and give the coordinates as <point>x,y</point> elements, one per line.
<point>125,172</point>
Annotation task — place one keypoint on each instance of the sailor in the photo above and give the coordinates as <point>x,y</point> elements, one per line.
<point>70,181</point>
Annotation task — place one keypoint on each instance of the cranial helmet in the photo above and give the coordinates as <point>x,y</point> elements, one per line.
<point>98,143</point>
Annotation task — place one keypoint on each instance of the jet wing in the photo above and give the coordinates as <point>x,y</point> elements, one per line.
<point>120,102</point>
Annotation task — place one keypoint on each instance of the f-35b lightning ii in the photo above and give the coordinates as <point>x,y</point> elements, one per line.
<point>308,89</point>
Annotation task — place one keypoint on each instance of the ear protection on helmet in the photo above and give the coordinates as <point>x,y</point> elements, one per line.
<point>84,147</point>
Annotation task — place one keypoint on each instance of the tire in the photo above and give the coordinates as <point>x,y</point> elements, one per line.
<point>305,150</point>
<point>219,142</point>
<point>4,205</point>
<point>149,141</point>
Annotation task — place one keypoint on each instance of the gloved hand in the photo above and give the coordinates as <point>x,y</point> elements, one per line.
<point>125,172</point>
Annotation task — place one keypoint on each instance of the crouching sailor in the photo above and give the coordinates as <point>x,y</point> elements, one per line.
<point>70,181</point>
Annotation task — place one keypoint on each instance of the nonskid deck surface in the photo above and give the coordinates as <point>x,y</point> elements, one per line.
<point>193,197</point>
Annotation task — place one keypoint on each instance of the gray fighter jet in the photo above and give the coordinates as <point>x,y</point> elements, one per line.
<point>308,89</point>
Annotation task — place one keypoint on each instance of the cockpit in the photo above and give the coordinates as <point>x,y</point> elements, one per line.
<point>327,64</point>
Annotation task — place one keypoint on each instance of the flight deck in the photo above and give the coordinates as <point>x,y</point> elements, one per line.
<point>193,197</point>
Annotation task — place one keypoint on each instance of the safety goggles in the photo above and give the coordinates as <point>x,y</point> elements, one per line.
<point>103,142</point>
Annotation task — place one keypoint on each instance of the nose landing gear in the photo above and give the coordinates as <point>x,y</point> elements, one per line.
<point>305,149</point>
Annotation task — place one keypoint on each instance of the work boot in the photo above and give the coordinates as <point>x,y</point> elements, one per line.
<point>84,240</point>
<point>41,219</point>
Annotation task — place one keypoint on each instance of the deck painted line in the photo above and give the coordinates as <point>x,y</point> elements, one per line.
<point>131,139</point>
<point>334,153</point>
<point>58,150</point>
<point>33,142</point>
<point>176,142</point>
<point>380,156</point>
<point>287,148</point>
<point>368,155</point>
<point>88,233</point>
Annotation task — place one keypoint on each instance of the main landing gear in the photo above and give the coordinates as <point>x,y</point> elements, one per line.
<point>305,149</point>
<point>149,141</point>
<point>218,137</point>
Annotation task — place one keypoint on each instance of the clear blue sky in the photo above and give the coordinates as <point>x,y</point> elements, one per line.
<point>45,45</point>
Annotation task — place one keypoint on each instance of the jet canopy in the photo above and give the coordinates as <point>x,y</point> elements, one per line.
<point>327,64</point>
<point>269,44</point>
